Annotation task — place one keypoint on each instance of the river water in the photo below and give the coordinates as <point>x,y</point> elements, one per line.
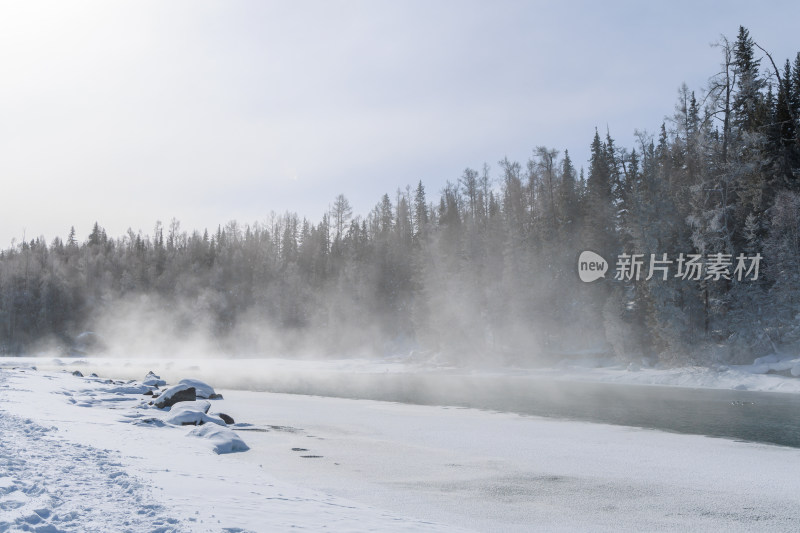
<point>742,415</point>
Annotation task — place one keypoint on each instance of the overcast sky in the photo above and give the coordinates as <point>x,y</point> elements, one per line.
<point>130,112</point>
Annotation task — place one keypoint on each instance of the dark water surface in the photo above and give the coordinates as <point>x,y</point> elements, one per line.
<point>743,415</point>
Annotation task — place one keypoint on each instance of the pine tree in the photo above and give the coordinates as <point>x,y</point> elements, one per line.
<point>546,166</point>
<point>748,102</point>
<point>599,221</point>
<point>96,236</point>
<point>469,184</point>
<point>568,195</point>
<point>794,99</point>
<point>782,131</point>
<point>420,213</point>
<point>386,217</point>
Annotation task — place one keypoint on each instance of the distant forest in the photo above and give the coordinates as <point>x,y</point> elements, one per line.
<point>488,266</point>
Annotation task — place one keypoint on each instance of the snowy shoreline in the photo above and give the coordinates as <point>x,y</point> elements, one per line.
<point>766,374</point>
<point>117,468</point>
<point>361,465</point>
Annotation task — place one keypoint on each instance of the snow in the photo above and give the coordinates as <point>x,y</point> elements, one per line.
<point>777,363</point>
<point>153,380</point>
<point>734,377</point>
<point>223,440</point>
<point>70,469</point>
<point>50,483</point>
<point>192,413</point>
<point>290,375</point>
<point>83,454</point>
<point>202,389</point>
<point>173,395</point>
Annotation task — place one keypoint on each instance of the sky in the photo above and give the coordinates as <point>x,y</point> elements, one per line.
<point>129,112</point>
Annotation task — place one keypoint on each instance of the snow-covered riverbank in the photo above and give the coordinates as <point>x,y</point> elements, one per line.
<point>297,375</point>
<point>72,463</point>
<point>755,377</point>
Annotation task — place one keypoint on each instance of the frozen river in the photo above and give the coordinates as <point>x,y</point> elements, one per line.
<point>743,415</point>
<point>748,415</point>
<point>364,465</point>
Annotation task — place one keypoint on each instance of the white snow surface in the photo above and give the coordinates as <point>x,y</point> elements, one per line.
<point>76,457</point>
<point>224,440</point>
<point>201,388</point>
<point>292,375</point>
<point>194,413</point>
<point>83,454</point>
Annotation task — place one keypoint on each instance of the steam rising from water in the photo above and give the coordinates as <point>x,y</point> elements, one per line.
<point>152,327</point>
<point>389,379</point>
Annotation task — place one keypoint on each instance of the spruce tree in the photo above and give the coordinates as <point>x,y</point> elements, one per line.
<point>600,229</point>
<point>568,195</point>
<point>420,213</point>
<point>747,103</point>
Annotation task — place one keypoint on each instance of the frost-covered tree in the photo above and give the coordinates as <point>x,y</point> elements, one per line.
<point>486,267</point>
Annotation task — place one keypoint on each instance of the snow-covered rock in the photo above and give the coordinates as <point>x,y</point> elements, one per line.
<point>152,380</point>
<point>223,440</point>
<point>202,389</point>
<point>775,363</point>
<point>767,359</point>
<point>191,414</point>
<point>198,405</point>
<point>133,388</point>
<point>177,393</point>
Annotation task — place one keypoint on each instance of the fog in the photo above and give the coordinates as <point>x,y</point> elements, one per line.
<point>482,273</point>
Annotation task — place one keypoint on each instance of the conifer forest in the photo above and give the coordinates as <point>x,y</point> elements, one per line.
<point>486,267</point>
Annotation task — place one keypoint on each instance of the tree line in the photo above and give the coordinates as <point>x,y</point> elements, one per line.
<point>487,267</point>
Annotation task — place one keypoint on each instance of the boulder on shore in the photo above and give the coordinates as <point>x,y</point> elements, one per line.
<point>177,393</point>
<point>226,418</point>
<point>152,380</point>
<point>203,389</point>
<point>191,414</point>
